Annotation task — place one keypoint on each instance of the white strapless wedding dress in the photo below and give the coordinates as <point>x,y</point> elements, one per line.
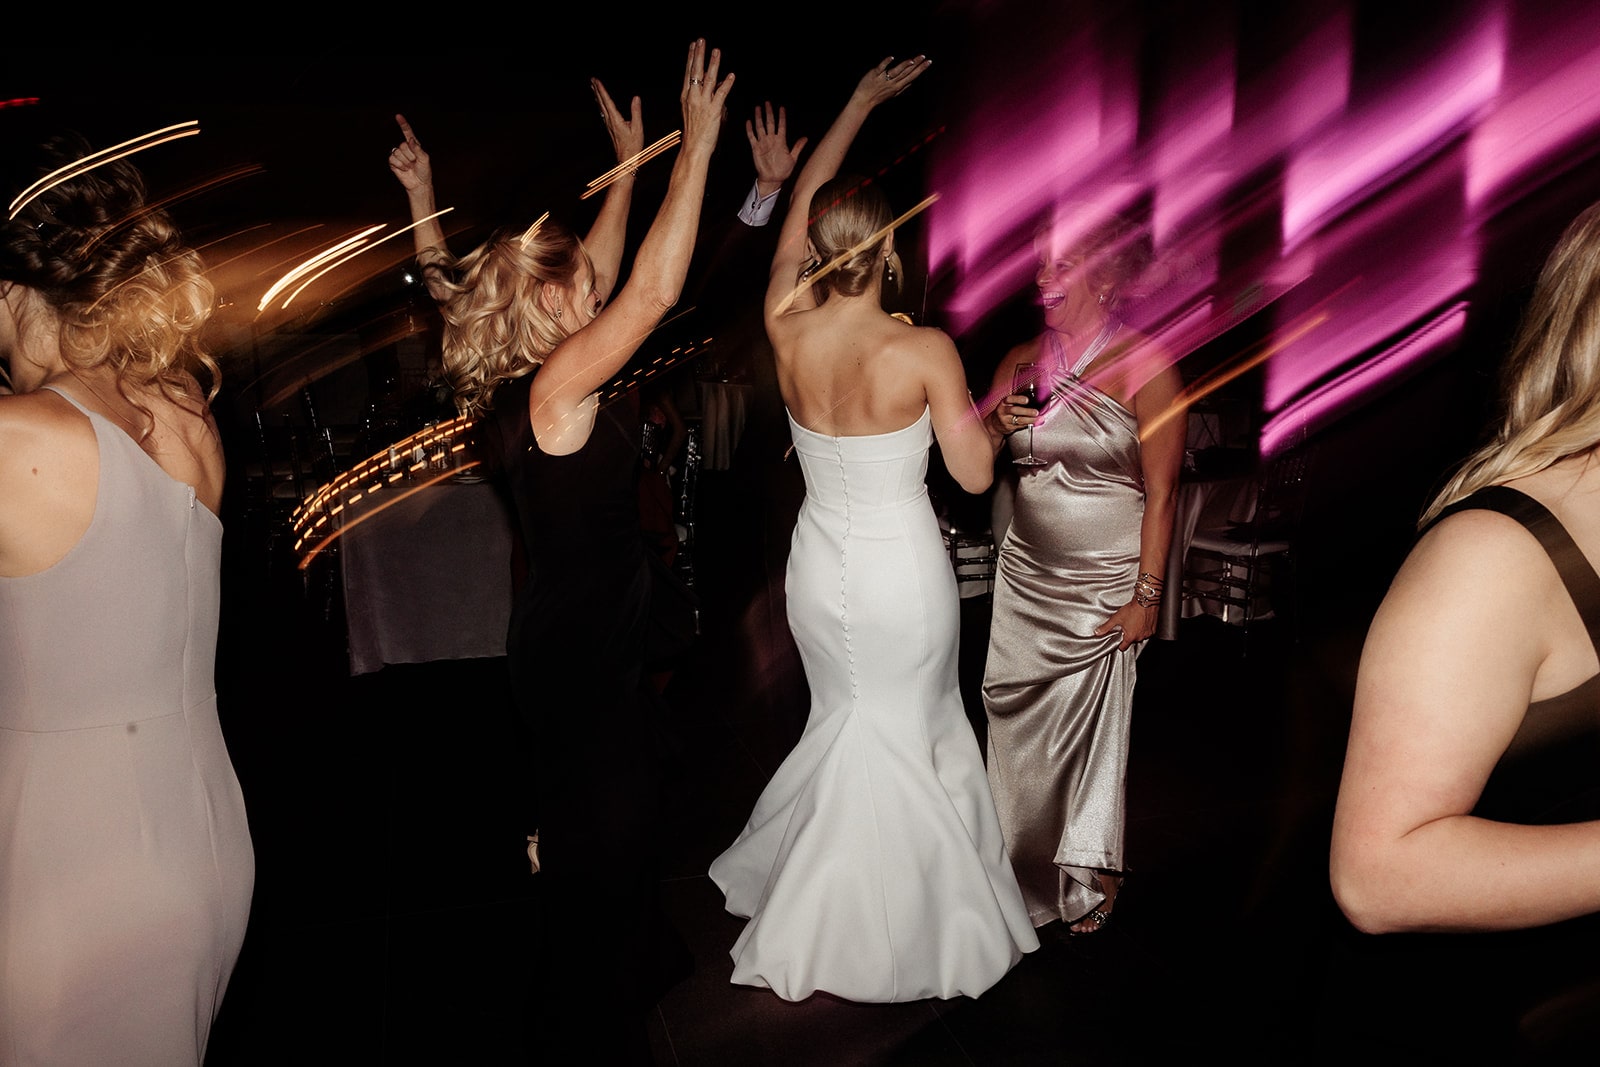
<point>873,866</point>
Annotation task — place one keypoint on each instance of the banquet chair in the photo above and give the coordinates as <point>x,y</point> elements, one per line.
<point>290,462</point>
<point>974,556</point>
<point>684,504</point>
<point>276,474</point>
<point>1244,571</point>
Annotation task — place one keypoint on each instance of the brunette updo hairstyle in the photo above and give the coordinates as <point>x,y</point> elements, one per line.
<point>495,328</point>
<point>127,291</point>
<point>849,222</point>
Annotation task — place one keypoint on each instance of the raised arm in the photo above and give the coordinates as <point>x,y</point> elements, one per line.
<point>593,355</point>
<point>609,233</point>
<point>957,426</point>
<point>774,160</point>
<point>414,170</point>
<point>882,82</point>
<point>1465,638</point>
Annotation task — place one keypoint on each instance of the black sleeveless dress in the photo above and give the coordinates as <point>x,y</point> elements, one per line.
<point>576,650</point>
<point>1530,996</point>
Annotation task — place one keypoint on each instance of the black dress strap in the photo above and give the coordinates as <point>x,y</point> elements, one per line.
<point>1576,572</point>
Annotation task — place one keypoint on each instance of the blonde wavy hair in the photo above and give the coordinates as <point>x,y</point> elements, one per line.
<point>1550,383</point>
<point>849,223</point>
<point>495,329</point>
<point>127,292</point>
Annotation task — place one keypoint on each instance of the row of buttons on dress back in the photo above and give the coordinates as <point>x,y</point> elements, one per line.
<point>844,575</point>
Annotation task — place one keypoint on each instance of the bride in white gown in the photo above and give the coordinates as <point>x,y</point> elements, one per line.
<point>873,866</point>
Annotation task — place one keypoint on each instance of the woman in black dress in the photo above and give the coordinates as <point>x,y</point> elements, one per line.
<point>533,336</point>
<point>1468,803</point>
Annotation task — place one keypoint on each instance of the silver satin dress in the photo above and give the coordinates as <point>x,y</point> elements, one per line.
<point>1058,697</point>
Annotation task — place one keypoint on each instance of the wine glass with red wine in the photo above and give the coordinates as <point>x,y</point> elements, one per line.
<point>1025,380</point>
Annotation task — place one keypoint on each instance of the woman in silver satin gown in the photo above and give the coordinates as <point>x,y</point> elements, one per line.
<point>1079,581</point>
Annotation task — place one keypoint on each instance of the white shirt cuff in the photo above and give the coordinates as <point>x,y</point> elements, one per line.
<point>757,209</point>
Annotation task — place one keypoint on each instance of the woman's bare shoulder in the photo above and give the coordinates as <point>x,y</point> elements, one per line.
<point>41,412</point>
<point>920,338</point>
<point>39,427</point>
<point>1474,551</point>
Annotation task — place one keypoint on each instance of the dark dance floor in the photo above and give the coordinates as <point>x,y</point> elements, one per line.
<point>393,903</point>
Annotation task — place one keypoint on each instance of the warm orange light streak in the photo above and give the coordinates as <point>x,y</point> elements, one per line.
<point>313,263</point>
<point>527,235</point>
<point>182,194</point>
<point>93,160</point>
<point>794,294</point>
<point>229,237</point>
<point>353,253</point>
<point>644,155</point>
<point>633,163</point>
<point>1228,372</point>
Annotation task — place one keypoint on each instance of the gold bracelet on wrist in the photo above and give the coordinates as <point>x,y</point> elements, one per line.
<point>1147,590</point>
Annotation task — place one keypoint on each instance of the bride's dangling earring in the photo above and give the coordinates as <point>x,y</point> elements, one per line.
<point>888,270</point>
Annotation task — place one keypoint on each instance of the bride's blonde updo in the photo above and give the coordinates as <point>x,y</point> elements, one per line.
<point>127,292</point>
<point>495,327</point>
<point>850,217</point>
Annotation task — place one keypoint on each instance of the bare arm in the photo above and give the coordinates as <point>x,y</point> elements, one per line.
<point>590,357</point>
<point>881,83</point>
<point>609,233</point>
<point>1460,645</point>
<point>414,170</point>
<point>1161,440</point>
<point>959,429</point>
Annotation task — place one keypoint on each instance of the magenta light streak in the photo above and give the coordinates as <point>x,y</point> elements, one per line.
<point>1532,126</point>
<point>1024,147</point>
<point>1398,261</point>
<point>1369,148</point>
<point>1306,89</point>
<point>1362,315</point>
<point>985,290</point>
<point>1373,185</point>
<point>1189,162</point>
<point>1324,403</point>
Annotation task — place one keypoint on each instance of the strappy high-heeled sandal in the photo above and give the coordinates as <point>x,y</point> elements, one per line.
<point>1099,916</point>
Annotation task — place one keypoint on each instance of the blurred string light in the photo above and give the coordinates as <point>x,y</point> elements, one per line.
<point>101,158</point>
<point>427,457</point>
<point>434,454</point>
<point>330,258</point>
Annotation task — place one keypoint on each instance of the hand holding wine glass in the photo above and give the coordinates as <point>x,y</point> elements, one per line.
<point>1025,383</point>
